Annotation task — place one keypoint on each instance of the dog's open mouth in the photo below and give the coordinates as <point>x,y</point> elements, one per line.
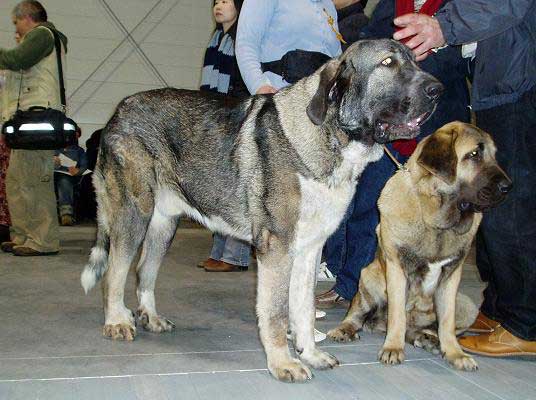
<point>386,131</point>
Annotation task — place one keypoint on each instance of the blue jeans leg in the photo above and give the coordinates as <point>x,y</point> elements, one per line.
<point>363,217</point>
<point>65,189</point>
<point>236,252</point>
<point>218,246</point>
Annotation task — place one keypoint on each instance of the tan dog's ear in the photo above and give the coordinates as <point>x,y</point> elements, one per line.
<point>318,106</point>
<point>438,156</point>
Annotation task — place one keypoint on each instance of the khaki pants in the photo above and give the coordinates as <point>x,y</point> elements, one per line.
<point>31,200</point>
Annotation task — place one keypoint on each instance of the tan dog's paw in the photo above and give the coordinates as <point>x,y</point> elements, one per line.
<point>319,359</point>
<point>391,356</point>
<point>343,333</point>
<point>120,332</point>
<point>427,342</point>
<point>154,323</point>
<point>462,362</point>
<point>291,371</point>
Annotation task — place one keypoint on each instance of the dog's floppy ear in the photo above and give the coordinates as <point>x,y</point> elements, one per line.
<point>318,106</point>
<point>438,156</point>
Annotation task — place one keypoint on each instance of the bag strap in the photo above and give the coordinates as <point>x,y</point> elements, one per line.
<point>57,44</point>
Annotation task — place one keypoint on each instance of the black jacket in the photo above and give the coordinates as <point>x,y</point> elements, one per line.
<point>505,62</point>
<point>351,20</point>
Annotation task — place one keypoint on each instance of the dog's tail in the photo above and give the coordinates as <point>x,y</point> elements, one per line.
<point>98,260</point>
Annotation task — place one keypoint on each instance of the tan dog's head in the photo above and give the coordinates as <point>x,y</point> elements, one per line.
<point>459,160</point>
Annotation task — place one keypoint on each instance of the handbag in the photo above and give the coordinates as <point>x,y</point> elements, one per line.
<point>296,64</point>
<point>42,128</point>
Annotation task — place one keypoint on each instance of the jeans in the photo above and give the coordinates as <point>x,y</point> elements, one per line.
<point>353,245</point>
<point>506,241</point>
<point>230,250</point>
<point>65,189</point>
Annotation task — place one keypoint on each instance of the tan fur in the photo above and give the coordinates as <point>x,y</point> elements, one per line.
<point>421,230</point>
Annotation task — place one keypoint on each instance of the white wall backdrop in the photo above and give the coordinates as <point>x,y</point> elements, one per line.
<point>104,63</point>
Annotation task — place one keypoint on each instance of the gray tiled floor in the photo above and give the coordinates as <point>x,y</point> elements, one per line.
<point>51,345</point>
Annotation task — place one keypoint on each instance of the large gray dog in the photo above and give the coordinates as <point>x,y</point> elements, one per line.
<point>276,170</point>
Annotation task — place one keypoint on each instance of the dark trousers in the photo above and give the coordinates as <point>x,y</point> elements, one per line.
<point>506,241</point>
<point>353,245</point>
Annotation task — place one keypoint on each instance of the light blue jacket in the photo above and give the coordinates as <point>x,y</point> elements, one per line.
<point>267,29</point>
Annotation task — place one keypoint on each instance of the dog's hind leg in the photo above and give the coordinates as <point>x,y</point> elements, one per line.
<point>302,310</point>
<point>370,296</point>
<point>157,241</point>
<point>128,231</point>
<point>272,309</point>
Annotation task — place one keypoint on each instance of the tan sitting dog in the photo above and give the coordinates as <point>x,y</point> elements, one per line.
<point>429,215</point>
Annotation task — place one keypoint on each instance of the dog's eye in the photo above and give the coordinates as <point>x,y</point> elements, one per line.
<point>474,154</point>
<point>387,61</point>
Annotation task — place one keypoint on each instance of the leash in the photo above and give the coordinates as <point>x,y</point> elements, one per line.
<point>399,165</point>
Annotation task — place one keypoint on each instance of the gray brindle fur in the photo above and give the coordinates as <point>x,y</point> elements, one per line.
<point>276,170</point>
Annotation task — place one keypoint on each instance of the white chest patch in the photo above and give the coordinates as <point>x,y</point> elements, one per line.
<point>431,279</point>
<point>169,204</point>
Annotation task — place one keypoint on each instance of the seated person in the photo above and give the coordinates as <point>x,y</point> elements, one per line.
<point>66,176</point>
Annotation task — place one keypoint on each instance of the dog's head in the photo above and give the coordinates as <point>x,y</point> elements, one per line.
<point>462,158</point>
<point>375,92</point>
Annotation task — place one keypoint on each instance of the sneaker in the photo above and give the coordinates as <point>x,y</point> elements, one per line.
<point>319,336</point>
<point>330,299</point>
<point>324,274</point>
<point>319,314</point>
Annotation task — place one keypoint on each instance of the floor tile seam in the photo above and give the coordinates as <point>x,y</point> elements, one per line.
<point>164,354</point>
<point>461,375</point>
<point>171,374</point>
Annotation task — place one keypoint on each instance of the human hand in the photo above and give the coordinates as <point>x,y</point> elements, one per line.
<point>266,89</point>
<point>73,171</point>
<point>57,161</point>
<point>424,31</point>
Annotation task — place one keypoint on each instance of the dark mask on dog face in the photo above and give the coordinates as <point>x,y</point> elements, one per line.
<point>376,92</point>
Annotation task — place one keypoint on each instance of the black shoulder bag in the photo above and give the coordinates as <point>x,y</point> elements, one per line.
<point>41,128</point>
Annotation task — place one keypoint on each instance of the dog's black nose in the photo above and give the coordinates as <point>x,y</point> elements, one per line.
<point>433,90</point>
<point>505,185</point>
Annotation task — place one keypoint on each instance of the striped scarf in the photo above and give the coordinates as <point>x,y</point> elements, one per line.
<point>219,63</point>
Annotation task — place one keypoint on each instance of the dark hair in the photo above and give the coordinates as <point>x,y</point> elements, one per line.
<point>32,9</point>
<point>238,6</point>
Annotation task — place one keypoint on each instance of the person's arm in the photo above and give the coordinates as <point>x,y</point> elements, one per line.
<point>254,21</point>
<point>37,44</point>
<point>460,22</point>
<point>465,21</point>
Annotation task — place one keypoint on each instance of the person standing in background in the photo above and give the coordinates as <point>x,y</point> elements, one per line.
<point>501,36</point>
<point>32,80</point>
<point>221,75</point>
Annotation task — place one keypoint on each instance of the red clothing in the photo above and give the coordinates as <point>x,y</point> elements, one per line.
<point>4,161</point>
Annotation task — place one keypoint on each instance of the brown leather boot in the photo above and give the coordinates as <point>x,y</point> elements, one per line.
<point>499,343</point>
<point>482,324</point>
<point>221,266</point>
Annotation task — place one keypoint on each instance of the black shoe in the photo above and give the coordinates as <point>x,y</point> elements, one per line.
<point>24,251</point>
<point>7,247</point>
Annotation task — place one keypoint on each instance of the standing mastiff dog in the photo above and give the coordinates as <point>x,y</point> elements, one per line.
<point>429,215</point>
<point>276,170</point>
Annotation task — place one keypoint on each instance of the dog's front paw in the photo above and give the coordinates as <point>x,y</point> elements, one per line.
<point>462,362</point>
<point>391,356</point>
<point>154,323</point>
<point>319,359</point>
<point>290,371</point>
<point>345,332</point>
<point>119,331</point>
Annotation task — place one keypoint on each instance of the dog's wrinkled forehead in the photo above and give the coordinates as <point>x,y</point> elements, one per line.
<point>370,53</point>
